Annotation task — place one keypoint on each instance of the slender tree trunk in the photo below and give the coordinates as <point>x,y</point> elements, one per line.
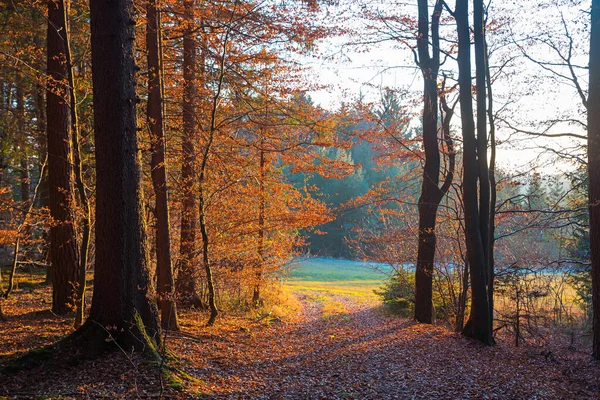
<point>120,303</point>
<point>482,140</point>
<point>202,220</point>
<point>202,180</point>
<point>3,135</point>
<point>78,174</point>
<point>164,268</point>
<point>63,253</point>
<point>430,192</point>
<point>3,130</point>
<point>261,227</point>
<point>13,268</point>
<point>478,325</point>
<point>20,229</point>
<point>462,300</point>
<point>44,200</point>
<point>23,156</point>
<point>593,121</point>
<point>493,195</point>
<point>186,280</point>
<point>206,255</point>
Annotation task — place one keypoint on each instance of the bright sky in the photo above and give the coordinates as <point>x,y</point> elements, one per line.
<point>527,94</point>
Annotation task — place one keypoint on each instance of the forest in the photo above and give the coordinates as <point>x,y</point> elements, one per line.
<point>300,199</point>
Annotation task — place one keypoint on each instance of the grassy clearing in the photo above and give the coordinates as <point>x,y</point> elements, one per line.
<point>321,279</point>
<point>332,270</point>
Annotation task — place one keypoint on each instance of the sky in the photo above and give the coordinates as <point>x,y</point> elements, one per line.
<point>526,94</point>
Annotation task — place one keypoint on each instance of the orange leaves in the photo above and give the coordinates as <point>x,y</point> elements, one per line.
<point>8,237</point>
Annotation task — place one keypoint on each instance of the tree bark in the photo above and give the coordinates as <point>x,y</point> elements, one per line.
<point>206,152</point>
<point>3,130</point>
<point>482,140</point>
<point>430,192</point>
<point>120,304</point>
<point>164,267</point>
<point>186,279</point>
<point>493,194</point>
<point>44,199</point>
<point>63,253</point>
<point>78,174</point>
<point>23,157</point>
<point>261,227</point>
<point>593,122</point>
<point>478,325</point>
<point>206,255</point>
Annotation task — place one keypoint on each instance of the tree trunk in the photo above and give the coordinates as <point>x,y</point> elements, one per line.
<point>481,88</point>
<point>13,268</point>
<point>2,316</point>
<point>430,192</point>
<point>63,253</point>
<point>206,255</point>
<point>3,130</point>
<point>44,200</point>
<point>22,147</point>
<point>212,130</point>
<point>164,268</point>
<point>120,304</point>
<point>478,325</point>
<point>493,194</point>
<point>23,157</point>
<point>78,173</point>
<point>186,278</point>
<point>261,228</point>
<point>593,121</point>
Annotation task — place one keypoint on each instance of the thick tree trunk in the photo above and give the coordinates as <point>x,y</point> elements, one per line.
<point>164,268</point>
<point>593,121</point>
<point>478,325</point>
<point>120,304</point>
<point>430,192</point>
<point>186,278</point>
<point>63,253</point>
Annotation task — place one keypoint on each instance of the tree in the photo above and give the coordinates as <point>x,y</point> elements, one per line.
<point>120,303</point>
<point>186,279</point>
<point>481,71</point>
<point>164,266</point>
<point>78,174</point>
<point>431,193</point>
<point>63,250</point>
<point>593,122</point>
<point>478,326</point>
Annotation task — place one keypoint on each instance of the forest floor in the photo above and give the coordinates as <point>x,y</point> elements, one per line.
<point>337,346</point>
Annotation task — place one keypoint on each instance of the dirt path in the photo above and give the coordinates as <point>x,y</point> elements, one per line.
<point>364,354</point>
<point>337,348</point>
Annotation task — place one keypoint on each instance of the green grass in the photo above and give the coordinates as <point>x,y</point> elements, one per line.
<point>321,277</point>
<point>330,270</point>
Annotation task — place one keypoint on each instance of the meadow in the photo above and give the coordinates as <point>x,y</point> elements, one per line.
<point>327,277</point>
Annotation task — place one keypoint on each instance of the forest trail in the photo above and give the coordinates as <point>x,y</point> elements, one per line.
<point>337,347</point>
<point>361,353</point>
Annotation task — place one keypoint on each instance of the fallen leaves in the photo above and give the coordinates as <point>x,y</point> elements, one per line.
<point>357,352</point>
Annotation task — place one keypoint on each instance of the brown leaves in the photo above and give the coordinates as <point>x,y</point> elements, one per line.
<point>357,352</point>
